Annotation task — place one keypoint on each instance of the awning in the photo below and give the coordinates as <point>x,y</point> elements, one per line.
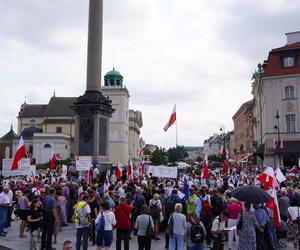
<point>289,147</point>
<point>260,151</point>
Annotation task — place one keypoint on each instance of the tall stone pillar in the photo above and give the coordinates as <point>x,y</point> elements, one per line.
<point>92,108</point>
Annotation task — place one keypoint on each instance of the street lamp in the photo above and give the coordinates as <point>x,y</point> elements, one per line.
<point>278,137</point>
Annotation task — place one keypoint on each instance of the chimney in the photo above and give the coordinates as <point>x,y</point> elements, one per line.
<point>292,37</point>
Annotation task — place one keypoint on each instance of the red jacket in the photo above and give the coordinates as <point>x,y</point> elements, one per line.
<point>122,213</point>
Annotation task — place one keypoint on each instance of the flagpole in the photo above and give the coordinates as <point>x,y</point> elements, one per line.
<point>176,128</point>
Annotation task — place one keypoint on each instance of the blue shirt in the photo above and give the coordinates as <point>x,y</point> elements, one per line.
<point>49,203</point>
<point>261,216</point>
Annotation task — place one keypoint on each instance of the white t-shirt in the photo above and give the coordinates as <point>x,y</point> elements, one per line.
<point>87,209</point>
<point>110,219</point>
<point>95,173</point>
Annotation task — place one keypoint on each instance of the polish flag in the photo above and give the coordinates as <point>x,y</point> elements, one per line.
<point>226,167</point>
<point>119,171</point>
<point>143,169</point>
<point>279,175</point>
<point>172,119</point>
<point>268,179</point>
<point>90,176</point>
<point>19,155</point>
<point>53,160</point>
<point>292,173</point>
<point>205,168</point>
<point>142,149</point>
<point>273,205</point>
<point>130,171</point>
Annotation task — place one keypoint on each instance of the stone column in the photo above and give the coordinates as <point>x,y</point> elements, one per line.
<point>94,54</point>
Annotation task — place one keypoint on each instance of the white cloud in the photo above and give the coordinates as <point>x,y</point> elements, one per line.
<point>199,54</point>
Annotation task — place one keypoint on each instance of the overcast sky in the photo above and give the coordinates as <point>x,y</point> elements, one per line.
<point>199,54</point>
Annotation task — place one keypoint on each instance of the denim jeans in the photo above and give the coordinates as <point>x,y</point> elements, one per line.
<point>175,238</point>
<point>3,216</point>
<point>82,233</point>
<point>271,233</point>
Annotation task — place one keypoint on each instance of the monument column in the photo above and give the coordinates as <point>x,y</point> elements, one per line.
<point>93,110</point>
<point>94,53</point>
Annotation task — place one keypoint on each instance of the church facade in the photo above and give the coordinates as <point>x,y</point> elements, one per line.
<point>51,127</point>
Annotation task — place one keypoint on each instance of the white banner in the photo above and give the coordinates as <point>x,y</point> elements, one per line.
<point>64,171</point>
<point>83,163</point>
<point>24,167</point>
<point>163,171</point>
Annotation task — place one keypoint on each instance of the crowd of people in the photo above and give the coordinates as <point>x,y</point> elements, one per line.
<point>149,208</point>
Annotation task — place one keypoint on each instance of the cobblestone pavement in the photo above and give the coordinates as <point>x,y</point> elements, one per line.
<point>12,240</point>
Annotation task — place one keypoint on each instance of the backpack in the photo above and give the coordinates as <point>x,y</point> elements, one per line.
<point>197,233</point>
<point>169,206</point>
<point>82,217</point>
<point>206,208</point>
<point>101,224</point>
<point>154,209</point>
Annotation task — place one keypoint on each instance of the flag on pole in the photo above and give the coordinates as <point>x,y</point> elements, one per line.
<point>119,171</point>
<point>226,167</point>
<point>142,149</point>
<point>171,120</point>
<point>143,169</point>
<point>53,159</point>
<point>19,155</point>
<point>279,175</point>
<point>186,189</point>
<point>205,168</point>
<point>273,205</point>
<point>291,174</point>
<point>130,170</point>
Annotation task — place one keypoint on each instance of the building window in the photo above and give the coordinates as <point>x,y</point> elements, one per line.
<point>7,152</point>
<point>288,61</point>
<point>47,146</point>
<point>112,82</point>
<point>118,83</point>
<point>290,123</point>
<point>106,82</point>
<point>289,92</point>
<point>58,129</point>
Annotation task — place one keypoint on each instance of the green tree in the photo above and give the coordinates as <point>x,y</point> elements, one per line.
<point>177,153</point>
<point>159,156</point>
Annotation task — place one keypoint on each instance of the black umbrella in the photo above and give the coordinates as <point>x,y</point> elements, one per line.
<point>250,194</point>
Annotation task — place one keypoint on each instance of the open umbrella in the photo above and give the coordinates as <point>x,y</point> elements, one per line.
<point>251,194</point>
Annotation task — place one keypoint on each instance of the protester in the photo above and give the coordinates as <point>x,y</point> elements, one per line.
<point>145,227</point>
<point>82,220</point>
<point>123,225</point>
<point>218,230</point>
<point>67,245</point>
<point>50,218</point>
<point>195,233</point>
<point>177,225</point>
<point>106,236</point>
<point>23,210</point>
<point>34,219</point>
<point>249,224</point>
<point>4,204</point>
<point>155,208</point>
<point>262,218</point>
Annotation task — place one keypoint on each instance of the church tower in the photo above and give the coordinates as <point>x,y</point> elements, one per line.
<point>119,122</point>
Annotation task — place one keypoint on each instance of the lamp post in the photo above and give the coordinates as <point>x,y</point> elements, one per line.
<point>278,137</point>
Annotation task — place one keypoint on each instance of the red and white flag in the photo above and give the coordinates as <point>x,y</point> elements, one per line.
<point>291,174</point>
<point>19,155</point>
<point>90,176</point>
<point>143,169</point>
<point>205,168</point>
<point>130,171</point>
<point>53,160</point>
<point>142,149</point>
<point>273,205</point>
<point>171,120</point>
<point>119,171</point>
<point>279,175</point>
<point>226,167</point>
<point>268,179</point>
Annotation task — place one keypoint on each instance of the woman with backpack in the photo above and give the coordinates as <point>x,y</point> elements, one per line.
<point>195,233</point>
<point>155,208</point>
<point>105,235</point>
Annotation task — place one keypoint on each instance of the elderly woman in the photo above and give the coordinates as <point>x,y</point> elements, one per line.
<point>155,208</point>
<point>249,224</point>
<point>144,224</point>
<point>177,227</point>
